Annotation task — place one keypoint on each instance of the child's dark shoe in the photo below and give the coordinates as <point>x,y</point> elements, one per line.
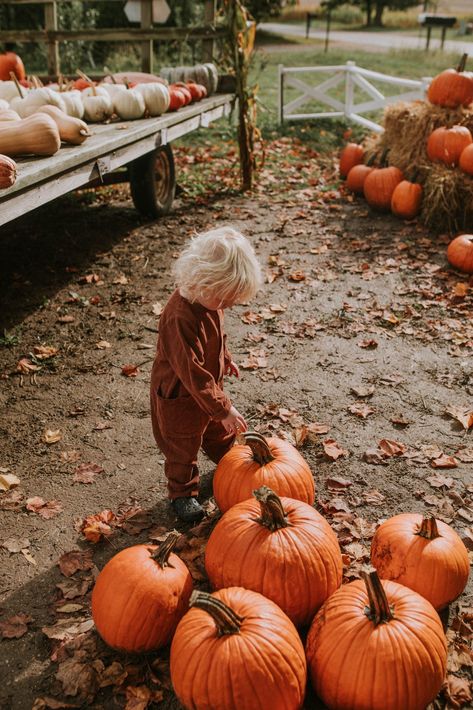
<point>187,509</point>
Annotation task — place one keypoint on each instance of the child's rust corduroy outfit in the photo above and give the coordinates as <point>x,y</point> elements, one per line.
<point>187,399</point>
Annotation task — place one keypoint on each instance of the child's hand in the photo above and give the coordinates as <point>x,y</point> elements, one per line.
<point>232,369</point>
<point>234,423</point>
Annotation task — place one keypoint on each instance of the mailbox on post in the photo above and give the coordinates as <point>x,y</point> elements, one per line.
<point>429,21</point>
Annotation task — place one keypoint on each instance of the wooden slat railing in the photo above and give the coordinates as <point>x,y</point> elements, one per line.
<point>146,34</point>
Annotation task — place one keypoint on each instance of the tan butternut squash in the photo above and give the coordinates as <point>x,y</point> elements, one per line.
<point>9,115</point>
<point>36,135</point>
<point>71,130</point>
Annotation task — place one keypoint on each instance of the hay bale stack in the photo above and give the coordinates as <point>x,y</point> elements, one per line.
<point>448,192</point>
<point>447,203</point>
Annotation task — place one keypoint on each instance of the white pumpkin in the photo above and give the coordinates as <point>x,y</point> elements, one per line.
<point>73,103</point>
<point>4,105</point>
<point>97,108</point>
<point>94,91</point>
<point>113,89</point>
<point>9,90</point>
<point>36,98</point>
<point>129,105</point>
<point>156,96</point>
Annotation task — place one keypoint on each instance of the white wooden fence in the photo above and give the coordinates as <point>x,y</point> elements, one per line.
<point>361,96</point>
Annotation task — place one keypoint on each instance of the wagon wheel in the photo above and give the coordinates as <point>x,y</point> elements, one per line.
<point>153,182</point>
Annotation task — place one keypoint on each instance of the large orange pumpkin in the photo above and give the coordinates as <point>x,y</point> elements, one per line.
<point>379,186</point>
<point>376,646</point>
<point>424,554</point>
<point>460,253</point>
<point>406,199</point>
<point>237,650</point>
<point>260,462</point>
<point>140,596</point>
<point>466,159</point>
<point>452,87</point>
<point>447,144</point>
<point>352,154</point>
<point>279,547</point>
<point>11,62</point>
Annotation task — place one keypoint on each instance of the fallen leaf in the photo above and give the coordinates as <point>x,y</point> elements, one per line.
<point>157,308</point>
<point>14,544</point>
<point>138,697</point>
<point>375,456</point>
<point>51,436</point>
<point>373,496</point>
<point>45,509</point>
<point>334,483</point>
<point>464,415</point>
<point>333,450</point>
<point>369,344</point>
<point>444,461</point>
<point>457,692</point>
<point>8,480</point>
<point>297,276</point>
<point>13,500</point>
<point>69,608</point>
<point>464,455</point>
<point>78,678</point>
<point>86,472</point>
<point>73,588</point>
<point>75,560</point>
<point>15,627</point>
<point>70,456</point>
<point>438,480</point>
<point>400,420</point>
<point>361,409</point>
<point>44,352</point>
<point>102,345</point>
<point>392,448</point>
<point>67,628</point>
<point>94,527</point>
<point>114,674</point>
<point>130,370</point>
<point>47,703</point>
<point>65,319</point>
<point>363,390</point>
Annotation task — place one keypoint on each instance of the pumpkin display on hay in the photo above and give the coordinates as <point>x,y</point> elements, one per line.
<point>447,203</point>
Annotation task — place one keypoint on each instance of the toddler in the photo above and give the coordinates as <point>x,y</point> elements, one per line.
<point>189,408</point>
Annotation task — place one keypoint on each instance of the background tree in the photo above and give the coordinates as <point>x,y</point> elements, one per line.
<point>379,6</point>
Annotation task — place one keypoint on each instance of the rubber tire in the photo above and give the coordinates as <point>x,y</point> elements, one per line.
<point>153,197</point>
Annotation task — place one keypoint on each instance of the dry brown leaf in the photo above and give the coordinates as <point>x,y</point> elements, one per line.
<point>52,436</point>
<point>464,415</point>
<point>375,456</point>
<point>47,703</point>
<point>464,455</point>
<point>130,370</point>
<point>333,450</point>
<point>138,697</point>
<point>46,510</point>
<point>71,562</point>
<point>368,343</point>
<point>391,447</point>
<point>70,456</point>
<point>335,483</point>
<point>78,678</point>
<point>8,480</point>
<point>438,481</point>
<point>15,626</point>
<point>457,692</point>
<point>444,461</point>
<point>67,628</point>
<point>73,588</point>
<point>13,500</point>
<point>25,367</point>
<point>363,390</point>
<point>114,674</point>
<point>102,345</point>
<point>44,352</point>
<point>297,276</point>
<point>373,496</point>
<point>361,409</point>
<point>255,360</point>
<point>86,472</point>
<point>97,526</point>
<point>14,544</point>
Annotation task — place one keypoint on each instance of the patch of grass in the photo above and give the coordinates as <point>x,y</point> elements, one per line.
<point>8,340</point>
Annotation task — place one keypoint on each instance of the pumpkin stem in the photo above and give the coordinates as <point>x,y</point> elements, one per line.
<point>379,611</point>
<point>461,66</point>
<point>273,516</point>
<point>384,158</point>
<point>429,528</point>
<point>226,620</point>
<point>19,87</point>
<point>161,554</point>
<point>371,159</point>
<point>259,447</point>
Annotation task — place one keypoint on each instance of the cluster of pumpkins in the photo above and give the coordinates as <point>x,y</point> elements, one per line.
<point>276,566</point>
<point>35,119</point>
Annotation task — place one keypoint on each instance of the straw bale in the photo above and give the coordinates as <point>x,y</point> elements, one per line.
<point>447,203</point>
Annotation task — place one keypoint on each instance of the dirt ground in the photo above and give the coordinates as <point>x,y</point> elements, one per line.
<point>361,334</point>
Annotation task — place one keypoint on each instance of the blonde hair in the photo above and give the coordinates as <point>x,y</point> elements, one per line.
<point>220,263</point>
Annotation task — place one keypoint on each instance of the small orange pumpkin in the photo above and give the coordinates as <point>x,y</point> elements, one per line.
<point>460,253</point>
<point>351,155</point>
<point>466,159</point>
<point>446,144</point>
<point>262,462</point>
<point>378,646</point>
<point>407,198</point>
<point>279,547</point>
<point>452,87</point>
<point>140,596</point>
<point>424,554</point>
<point>379,186</point>
<point>237,650</point>
<point>358,174</point>
<point>11,62</point>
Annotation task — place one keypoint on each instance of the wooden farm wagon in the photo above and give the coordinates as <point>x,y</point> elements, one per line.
<point>137,151</point>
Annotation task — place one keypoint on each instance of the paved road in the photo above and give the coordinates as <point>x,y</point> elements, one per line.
<point>370,40</point>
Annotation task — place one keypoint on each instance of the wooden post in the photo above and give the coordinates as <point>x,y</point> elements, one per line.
<point>281,94</point>
<point>50,23</point>
<point>210,9</point>
<point>147,45</point>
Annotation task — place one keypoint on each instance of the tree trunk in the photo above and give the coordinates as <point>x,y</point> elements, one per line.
<point>368,13</point>
<point>378,17</point>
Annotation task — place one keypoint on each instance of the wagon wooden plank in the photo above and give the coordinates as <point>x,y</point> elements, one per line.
<point>113,136</point>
